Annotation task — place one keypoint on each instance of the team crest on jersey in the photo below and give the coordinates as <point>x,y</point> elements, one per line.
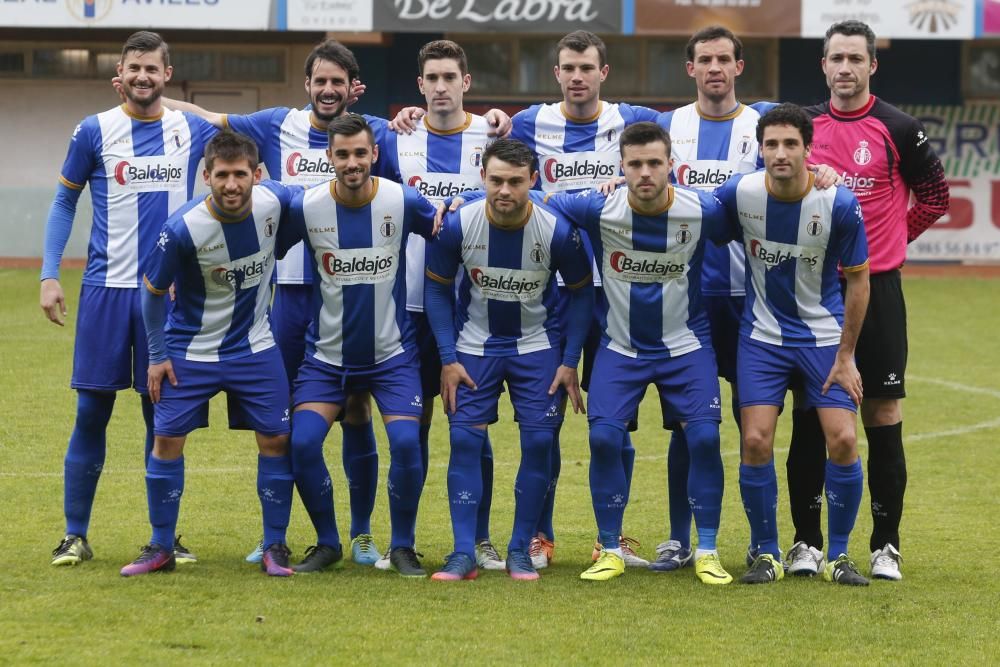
<point>476,157</point>
<point>611,135</point>
<point>684,236</point>
<point>814,227</point>
<point>862,155</point>
<point>745,145</point>
<point>269,227</point>
<point>177,139</point>
<point>537,254</point>
<point>388,227</point>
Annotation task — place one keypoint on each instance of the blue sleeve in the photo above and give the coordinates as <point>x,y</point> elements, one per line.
<point>439,286</point>
<point>163,261</point>
<point>420,213</point>
<point>642,114</point>
<point>388,158</point>
<point>715,221</point>
<point>258,125</point>
<point>154,317</point>
<point>81,156</point>
<point>848,236</point>
<point>578,207</point>
<point>380,130</point>
<point>579,312</point>
<point>570,256</point>
<point>293,225</point>
<point>57,229</point>
<point>726,195</point>
<point>663,119</point>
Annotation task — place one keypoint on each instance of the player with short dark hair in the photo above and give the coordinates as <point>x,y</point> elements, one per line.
<point>649,241</point>
<point>219,251</point>
<point>360,338</point>
<point>505,329</point>
<point>884,156</point>
<point>796,324</point>
<point>139,160</point>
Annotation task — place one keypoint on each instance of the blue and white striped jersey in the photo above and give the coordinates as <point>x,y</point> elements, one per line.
<point>359,254</point>
<point>793,248</point>
<point>650,266</point>
<point>221,266</point>
<point>140,171</point>
<point>507,298</point>
<point>294,151</point>
<point>707,150</point>
<point>439,165</point>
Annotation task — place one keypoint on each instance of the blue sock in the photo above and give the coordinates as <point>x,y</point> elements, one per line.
<point>274,488</point>
<point>483,514</point>
<point>608,487</point>
<point>628,463</point>
<point>425,447</point>
<point>678,470</point>
<point>533,480</point>
<point>85,458</point>
<point>147,417</point>
<point>406,480</point>
<point>361,468</point>
<point>164,488</point>
<point>705,480</point>
<point>844,486</point>
<point>759,488</point>
<point>465,485</point>
<point>312,478</point>
<point>548,507</point>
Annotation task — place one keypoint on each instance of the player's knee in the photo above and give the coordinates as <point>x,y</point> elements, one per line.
<point>842,445</point>
<point>758,446</point>
<point>168,448</point>
<point>404,441</point>
<point>93,411</point>
<point>606,440</point>
<point>467,444</point>
<point>881,411</point>
<point>358,409</point>
<point>272,445</point>
<point>702,438</point>
<point>536,447</point>
<point>308,432</point>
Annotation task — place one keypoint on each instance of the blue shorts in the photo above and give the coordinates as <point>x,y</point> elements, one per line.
<point>395,384</point>
<point>256,382</point>
<point>291,313</point>
<point>110,348</point>
<point>428,354</point>
<point>765,372</point>
<point>688,386</point>
<point>724,315</point>
<point>528,378</point>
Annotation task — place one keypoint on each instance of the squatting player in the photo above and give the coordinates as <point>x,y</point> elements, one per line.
<point>506,330</point>
<point>140,161</point>
<point>360,339</point>
<point>219,252</point>
<point>797,324</point>
<point>884,156</point>
<point>650,241</point>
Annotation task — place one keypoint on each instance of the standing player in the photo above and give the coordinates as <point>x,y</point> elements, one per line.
<point>292,144</point>
<point>140,161</point>
<point>361,338</point>
<point>219,251</point>
<point>883,155</point>
<point>650,241</point>
<point>506,330</point>
<point>576,143</point>
<point>796,323</point>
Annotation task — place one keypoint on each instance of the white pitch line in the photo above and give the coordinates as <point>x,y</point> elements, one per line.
<point>916,437</point>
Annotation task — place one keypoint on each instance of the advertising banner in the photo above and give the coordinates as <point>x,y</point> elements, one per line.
<point>193,14</point>
<point>330,15</point>
<point>967,139</point>
<point>542,16</point>
<point>894,19</point>
<point>747,18</point>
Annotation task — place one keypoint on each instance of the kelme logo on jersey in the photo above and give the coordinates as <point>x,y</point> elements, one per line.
<point>635,266</point>
<point>702,178</point>
<point>299,165</point>
<point>151,173</point>
<point>243,273</point>
<point>772,253</point>
<point>354,266</point>
<point>509,284</point>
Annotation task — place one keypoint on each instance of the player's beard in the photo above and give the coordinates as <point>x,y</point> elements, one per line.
<point>338,110</point>
<point>143,102</point>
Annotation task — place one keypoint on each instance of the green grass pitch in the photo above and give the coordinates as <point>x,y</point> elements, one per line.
<point>222,610</point>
